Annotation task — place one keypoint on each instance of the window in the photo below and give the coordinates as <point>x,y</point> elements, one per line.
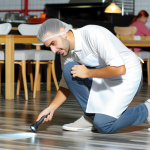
<point>127,5</point>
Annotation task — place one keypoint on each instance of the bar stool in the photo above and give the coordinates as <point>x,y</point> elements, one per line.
<point>20,57</point>
<point>41,57</point>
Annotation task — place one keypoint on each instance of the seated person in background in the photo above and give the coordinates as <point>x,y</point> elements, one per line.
<point>139,22</point>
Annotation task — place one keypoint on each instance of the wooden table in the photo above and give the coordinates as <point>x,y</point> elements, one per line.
<point>10,41</point>
<point>144,42</point>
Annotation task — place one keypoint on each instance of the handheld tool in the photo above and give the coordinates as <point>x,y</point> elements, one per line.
<point>35,126</point>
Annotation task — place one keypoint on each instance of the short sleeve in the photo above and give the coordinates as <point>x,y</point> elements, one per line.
<point>108,46</point>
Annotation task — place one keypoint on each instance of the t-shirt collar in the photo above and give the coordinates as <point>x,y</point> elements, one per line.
<point>77,37</point>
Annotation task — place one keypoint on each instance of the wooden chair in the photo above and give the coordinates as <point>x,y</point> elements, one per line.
<point>20,57</point>
<point>41,57</point>
<point>127,33</point>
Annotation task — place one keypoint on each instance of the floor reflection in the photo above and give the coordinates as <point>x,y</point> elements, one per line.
<point>17,115</point>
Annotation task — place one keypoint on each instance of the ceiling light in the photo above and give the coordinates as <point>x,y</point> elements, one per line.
<point>113,8</point>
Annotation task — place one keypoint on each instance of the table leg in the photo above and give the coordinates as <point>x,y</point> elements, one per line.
<point>9,67</point>
<point>38,87</point>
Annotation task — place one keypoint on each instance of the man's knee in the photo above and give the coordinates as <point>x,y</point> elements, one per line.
<point>67,69</point>
<point>101,128</point>
<point>103,123</point>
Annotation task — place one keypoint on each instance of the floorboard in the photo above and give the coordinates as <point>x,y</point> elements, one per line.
<point>17,115</point>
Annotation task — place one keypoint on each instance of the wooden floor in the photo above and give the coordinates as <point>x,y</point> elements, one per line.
<point>17,115</point>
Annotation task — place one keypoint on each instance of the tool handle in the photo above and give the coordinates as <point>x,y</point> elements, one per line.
<point>41,120</point>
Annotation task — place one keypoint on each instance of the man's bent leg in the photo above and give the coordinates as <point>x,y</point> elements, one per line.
<point>130,117</point>
<point>80,89</point>
<point>104,123</point>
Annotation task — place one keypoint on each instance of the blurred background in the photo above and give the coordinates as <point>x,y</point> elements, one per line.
<point>55,8</point>
<point>78,13</point>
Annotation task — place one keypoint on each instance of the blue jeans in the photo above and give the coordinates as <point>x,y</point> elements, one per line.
<point>105,124</point>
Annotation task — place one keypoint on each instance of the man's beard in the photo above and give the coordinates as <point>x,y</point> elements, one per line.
<point>66,44</point>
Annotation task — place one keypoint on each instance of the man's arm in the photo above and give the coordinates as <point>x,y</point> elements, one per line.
<point>107,72</point>
<point>60,97</point>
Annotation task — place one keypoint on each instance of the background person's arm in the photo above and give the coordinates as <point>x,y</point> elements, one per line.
<point>60,97</point>
<point>145,30</point>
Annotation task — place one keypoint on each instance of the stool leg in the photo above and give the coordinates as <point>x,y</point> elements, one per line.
<point>37,68</point>
<point>24,79</point>
<point>38,87</point>
<point>31,76</point>
<point>19,81</point>
<point>148,71</point>
<point>49,70</point>
<point>1,65</point>
<point>54,75</point>
<point>21,84</point>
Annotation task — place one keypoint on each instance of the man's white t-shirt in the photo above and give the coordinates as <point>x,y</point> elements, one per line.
<point>95,46</point>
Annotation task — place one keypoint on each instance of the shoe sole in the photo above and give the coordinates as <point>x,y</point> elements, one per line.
<point>78,129</point>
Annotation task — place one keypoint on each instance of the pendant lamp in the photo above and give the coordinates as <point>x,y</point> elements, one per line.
<point>112,8</point>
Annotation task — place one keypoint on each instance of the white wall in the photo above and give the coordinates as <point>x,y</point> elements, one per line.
<point>33,4</point>
<point>142,5</point>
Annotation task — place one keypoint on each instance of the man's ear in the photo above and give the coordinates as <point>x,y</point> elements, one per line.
<point>62,29</point>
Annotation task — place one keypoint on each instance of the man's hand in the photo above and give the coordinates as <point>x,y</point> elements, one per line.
<point>45,112</point>
<point>61,95</point>
<point>79,71</point>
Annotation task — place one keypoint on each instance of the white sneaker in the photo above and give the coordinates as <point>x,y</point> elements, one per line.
<point>82,124</point>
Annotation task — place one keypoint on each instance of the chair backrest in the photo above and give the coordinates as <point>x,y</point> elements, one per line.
<point>29,29</point>
<point>125,33</point>
<point>5,28</point>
